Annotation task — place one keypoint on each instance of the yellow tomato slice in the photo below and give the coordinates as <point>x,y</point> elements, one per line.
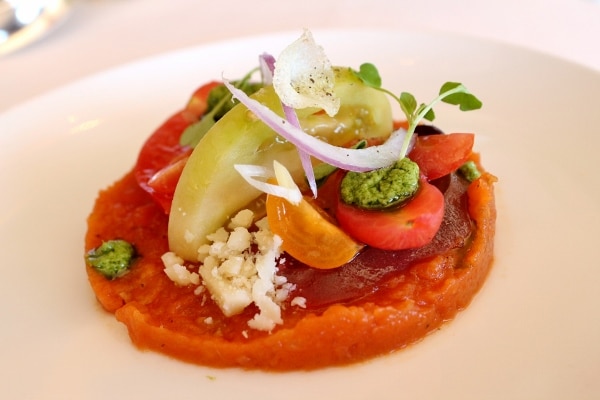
<point>309,235</point>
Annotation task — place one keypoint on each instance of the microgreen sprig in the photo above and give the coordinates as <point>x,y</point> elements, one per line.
<point>451,93</point>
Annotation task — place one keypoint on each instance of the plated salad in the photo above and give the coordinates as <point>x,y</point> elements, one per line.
<point>290,222</point>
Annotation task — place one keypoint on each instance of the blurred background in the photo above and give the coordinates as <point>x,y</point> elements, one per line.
<point>88,36</point>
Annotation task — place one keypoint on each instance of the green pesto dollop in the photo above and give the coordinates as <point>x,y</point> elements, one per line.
<point>381,188</point>
<point>112,258</point>
<point>470,171</point>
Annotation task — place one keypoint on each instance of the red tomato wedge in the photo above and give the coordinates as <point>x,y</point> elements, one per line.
<point>409,226</point>
<point>439,155</point>
<point>162,158</point>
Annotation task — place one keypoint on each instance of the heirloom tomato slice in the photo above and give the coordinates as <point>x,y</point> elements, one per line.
<point>439,155</point>
<point>411,225</point>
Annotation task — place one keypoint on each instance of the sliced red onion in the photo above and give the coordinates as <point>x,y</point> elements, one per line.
<point>292,117</point>
<point>309,172</point>
<point>358,160</point>
<point>267,67</point>
<point>286,187</point>
<point>266,63</point>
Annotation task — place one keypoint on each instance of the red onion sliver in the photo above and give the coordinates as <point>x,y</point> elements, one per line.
<point>267,66</point>
<point>358,160</point>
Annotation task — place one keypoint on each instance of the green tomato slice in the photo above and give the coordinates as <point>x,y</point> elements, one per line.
<point>210,190</point>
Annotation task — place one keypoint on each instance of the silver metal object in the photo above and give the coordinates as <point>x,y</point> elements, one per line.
<point>24,21</point>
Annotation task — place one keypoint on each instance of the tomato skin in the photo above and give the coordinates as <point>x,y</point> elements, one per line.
<point>439,155</point>
<point>409,226</point>
<point>159,162</point>
<point>198,102</point>
<point>162,184</point>
<point>159,152</point>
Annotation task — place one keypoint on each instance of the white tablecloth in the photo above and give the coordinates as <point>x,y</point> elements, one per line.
<point>100,34</point>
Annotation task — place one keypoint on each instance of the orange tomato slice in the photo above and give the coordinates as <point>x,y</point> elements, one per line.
<point>309,235</point>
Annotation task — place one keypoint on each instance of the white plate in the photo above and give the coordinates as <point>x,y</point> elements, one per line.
<point>531,333</point>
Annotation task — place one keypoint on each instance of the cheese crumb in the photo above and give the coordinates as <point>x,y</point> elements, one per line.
<point>299,302</point>
<point>177,272</point>
<point>242,219</point>
<point>239,268</point>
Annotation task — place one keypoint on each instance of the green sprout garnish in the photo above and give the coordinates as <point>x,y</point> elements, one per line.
<point>451,93</point>
<point>220,101</point>
<point>379,189</point>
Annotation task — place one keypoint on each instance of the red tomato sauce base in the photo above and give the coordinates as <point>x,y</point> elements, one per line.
<point>173,320</point>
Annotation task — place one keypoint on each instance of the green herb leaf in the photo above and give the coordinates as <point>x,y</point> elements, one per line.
<point>369,75</point>
<point>464,99</point>
<point>408,104</point>
<point>448,86</point>
<point>192,134</point>
<point>429,115</point>
<point>454,93</point>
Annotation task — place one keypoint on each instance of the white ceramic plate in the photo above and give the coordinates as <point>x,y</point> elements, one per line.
<point>531,333</point>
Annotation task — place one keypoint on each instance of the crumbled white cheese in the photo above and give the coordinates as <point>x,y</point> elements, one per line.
<point>284,290</point>
<point>299,301</point>
<point>242,219</point>
<point>177,272</point>
<point>239,239</point>
<point>238,268</point>
<point>199,290</point>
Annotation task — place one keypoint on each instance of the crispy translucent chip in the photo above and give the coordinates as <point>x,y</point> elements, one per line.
<point>304,77</point>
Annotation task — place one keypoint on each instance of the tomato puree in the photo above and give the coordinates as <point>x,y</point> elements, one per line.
<point>400,307</point>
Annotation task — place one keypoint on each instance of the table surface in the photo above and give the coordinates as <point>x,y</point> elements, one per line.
<point>100,34</point>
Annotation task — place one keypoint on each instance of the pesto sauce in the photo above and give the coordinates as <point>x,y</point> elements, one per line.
<point>381,188</point>
<point>470,171</point>
<point>112,258</point>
